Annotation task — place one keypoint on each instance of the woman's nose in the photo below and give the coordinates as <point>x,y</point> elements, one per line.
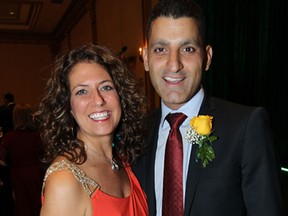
<point>98,98</point>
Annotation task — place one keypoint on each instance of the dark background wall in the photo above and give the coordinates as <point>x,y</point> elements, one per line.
<point>250,44</point>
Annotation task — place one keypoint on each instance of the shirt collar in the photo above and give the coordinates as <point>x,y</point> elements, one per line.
<point>190,109</point>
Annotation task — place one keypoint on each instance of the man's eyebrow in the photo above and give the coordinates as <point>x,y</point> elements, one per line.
<point>190,41</point>
<point>159,42</point>
<point>164,42</point>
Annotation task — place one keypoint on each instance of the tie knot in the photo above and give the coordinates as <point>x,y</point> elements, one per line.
<point>175,119</point>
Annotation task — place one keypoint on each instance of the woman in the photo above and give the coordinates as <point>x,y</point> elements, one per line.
<point>92,119</point>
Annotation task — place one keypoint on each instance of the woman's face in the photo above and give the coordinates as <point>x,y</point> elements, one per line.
<point>95,103</point>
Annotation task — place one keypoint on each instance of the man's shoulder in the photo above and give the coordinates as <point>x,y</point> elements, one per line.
<point>224,103</point>
<point>230,108</point>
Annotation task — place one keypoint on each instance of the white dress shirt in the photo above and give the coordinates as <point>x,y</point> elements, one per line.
<point>190,109</point>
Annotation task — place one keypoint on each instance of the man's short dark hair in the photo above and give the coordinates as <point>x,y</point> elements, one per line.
<point>177,9</point>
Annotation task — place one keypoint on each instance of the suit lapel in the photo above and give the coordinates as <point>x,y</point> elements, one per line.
<point>149,160</point>
<point>192,181</point>
<point>195,168</point>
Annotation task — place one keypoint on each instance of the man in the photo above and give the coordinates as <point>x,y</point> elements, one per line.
<point>243,178</point>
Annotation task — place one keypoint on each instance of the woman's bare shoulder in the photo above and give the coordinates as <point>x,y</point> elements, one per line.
<point>63,193</point>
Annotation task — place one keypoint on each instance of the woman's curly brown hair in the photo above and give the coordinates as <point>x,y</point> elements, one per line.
<point>57,125</point>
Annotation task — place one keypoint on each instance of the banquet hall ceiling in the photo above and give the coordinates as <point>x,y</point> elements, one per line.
<point>37,21</point>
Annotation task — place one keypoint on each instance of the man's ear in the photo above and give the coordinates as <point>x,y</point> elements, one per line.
<point>145,59</point>
<point>209,53</point>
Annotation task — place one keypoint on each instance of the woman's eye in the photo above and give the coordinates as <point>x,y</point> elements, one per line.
<point>106,88</point>
<point>80,92</point>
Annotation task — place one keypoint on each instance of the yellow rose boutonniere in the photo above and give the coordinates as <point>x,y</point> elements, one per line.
<point>199,133</point>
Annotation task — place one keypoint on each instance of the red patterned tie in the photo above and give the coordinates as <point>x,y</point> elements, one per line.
<point>173,168</point>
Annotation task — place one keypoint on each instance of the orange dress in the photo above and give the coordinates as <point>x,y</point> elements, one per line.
<point>104,204</point>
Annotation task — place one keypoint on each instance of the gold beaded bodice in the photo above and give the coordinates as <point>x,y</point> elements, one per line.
<point>88,184</point>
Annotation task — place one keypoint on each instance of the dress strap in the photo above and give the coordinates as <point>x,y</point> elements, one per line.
<point>79,174</point>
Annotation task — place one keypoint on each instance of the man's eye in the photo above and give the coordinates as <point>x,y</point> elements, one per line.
<point>80,92</point>
<point>189,49</point>
<point>159,50</point>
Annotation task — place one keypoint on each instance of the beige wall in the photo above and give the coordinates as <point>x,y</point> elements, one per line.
<point>117,26</point>
<point>120,25</point>
<point>23,70</point>
<point>23,67</point>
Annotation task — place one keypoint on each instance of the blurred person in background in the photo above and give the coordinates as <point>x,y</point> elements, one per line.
<point>21,150</point>
<point>6,124</point>
<point>6,112</point>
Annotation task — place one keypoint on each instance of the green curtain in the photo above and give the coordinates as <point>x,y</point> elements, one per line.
<point>250,46</point>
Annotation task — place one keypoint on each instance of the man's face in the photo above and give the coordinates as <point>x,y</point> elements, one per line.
<point>174,59</point>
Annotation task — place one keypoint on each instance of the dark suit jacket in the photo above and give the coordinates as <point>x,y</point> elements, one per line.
<point>243,179</point>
